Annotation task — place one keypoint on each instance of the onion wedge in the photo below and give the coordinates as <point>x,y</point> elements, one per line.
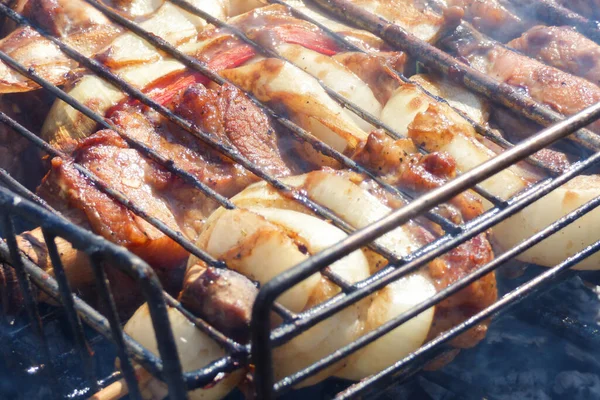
<point>358,207</point>
<point>439,128</point>
<point>196,350</point>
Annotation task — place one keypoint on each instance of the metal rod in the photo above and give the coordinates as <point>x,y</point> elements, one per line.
<point>74,322</point>
<point>103,287</point>
<point>197,66</point>
<point>184,4</point>
<point>480,129</point>
<point>169,165</point>
<point>114,194</point>
<point>272,289</point>
<point>537,284</point>
<point>230,152</point>
<point>22,191</point>
<point>465,281</point>
<point>457,71</point>
<point>17,262</point>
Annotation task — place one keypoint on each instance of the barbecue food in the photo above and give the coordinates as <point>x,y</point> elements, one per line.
<point>563,48</point>
<point>270,233</point>
<point>196,350</point>
<point>439,128</point>
<point>496,18</point>
<point>86,29</point>
<point>564,93</point>
<point>75,22</point>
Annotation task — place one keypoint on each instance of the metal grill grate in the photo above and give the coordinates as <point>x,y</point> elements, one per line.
<point>263,338</point>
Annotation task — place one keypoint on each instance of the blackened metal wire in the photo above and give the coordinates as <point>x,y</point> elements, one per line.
<point>357,110</point>
<point>480,129</point>
<point>457,71</point>
<point>304,135</point>
<point>262,338</point>
<point>169,367</point>
<point>540,283</point>
<point>221,363</point>
<point>114,194</point>
<point>206,138</point>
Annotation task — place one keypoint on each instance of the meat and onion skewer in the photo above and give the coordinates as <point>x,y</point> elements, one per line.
<point>269,233</point>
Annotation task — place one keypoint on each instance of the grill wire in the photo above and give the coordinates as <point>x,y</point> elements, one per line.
<point>167,367</point>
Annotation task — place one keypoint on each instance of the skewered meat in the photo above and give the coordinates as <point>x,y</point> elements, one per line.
<point>227,114</point>
<point>222,297</point>
<point>563,48</point>
<point>87,30</point>
<point>439,128</point>
<point>564,93</point>
<point>250,254</point>
<point>492,17</point>
<point>74,21</point>
<point>363,39</point>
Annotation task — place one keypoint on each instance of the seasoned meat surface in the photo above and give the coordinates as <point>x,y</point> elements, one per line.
<point>399,163</point>
<point>226,114</point>
<point>561,91</point>
<point>372,70</point>
<point>77,23</point>
<point>222,297</point>
<point>492,17</point>
<point>563,48</point>
<point>231,115</point>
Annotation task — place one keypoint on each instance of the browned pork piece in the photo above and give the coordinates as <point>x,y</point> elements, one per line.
<point>226,113</point>
<point>493,17</point>
<point>562,47</point>
<point>75,22</point>
<point>559,90</point>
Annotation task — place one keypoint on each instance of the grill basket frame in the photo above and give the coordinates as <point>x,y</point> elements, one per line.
<point>23,204</point>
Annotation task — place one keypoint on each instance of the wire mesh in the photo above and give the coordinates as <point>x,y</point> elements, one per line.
<point>263,337</point>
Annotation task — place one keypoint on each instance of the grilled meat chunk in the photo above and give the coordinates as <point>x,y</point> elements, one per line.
<point>563,48</point>
<point>401,165</point>
<point>229,114</point>
<point>563,92</point>
<point>226,113</point>
<point>222,297</point>
<point>74,21</point>
<point>493,17</point>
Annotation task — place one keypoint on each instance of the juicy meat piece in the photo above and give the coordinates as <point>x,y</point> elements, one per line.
<point>275,24</point>
<point>482,293</point>
<point>231,115</point>
<point>372,70</point>
<point>563,92</point>
<point>222,297</point>
<point>123,169</point>
<point>492,17</point>
<point>227,114</point>
<point>399,164</point>
<point>77,23</point>
<point>563,48</point>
